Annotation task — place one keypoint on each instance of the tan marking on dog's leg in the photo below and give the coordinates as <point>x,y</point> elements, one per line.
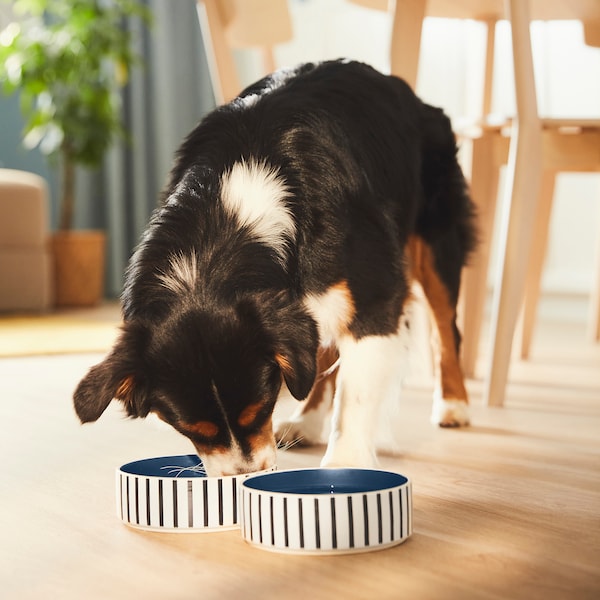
<point>305,426</point>
<point>450,399</point>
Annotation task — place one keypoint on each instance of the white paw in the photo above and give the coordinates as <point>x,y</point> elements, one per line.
<point>450,413</point>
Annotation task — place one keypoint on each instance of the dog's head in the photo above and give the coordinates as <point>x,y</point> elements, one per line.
<point>213,375</point>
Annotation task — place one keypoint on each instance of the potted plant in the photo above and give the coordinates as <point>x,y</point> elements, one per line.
<point>67,59</point>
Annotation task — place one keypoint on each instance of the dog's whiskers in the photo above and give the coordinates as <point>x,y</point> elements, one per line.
<point>284,444</point>
<point>176,471</point>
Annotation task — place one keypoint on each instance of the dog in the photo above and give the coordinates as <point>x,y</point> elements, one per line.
<point>295,220</point>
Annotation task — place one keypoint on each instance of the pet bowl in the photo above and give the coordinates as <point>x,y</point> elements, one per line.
<point>326,511</point>
<point>173,493</point>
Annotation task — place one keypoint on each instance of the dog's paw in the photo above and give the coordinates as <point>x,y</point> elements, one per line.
<point>298,432</point>
<point>450,413</point>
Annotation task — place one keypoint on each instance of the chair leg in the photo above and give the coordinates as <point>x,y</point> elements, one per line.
<point>594,314</point>
<point>406,39</point>
<point>268,59</point>
<point>536,261</point>
<point>518,218</point>
<point>519,207</point>
<point>221,65</point>
<point>484,190</point>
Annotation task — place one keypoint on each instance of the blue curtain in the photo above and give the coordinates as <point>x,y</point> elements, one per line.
<point>162,102</point>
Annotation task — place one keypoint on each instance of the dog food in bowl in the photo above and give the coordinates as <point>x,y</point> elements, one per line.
<point>173,493</point>
<point>326,511</point>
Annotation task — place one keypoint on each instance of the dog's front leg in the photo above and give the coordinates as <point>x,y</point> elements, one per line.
<point>305,426</point>
<point>371,371</point>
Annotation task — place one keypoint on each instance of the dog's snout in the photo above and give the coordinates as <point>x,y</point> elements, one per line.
<point>232,462</point>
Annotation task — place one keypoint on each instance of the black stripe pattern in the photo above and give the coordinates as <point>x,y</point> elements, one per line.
<point>178,503</point>
<point>327,523</point>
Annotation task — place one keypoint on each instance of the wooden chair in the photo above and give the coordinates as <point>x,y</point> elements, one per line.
<point>534,149</point>
<point>567,145</point>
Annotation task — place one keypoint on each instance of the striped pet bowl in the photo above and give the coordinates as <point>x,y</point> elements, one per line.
<point>173,493</point>
<point>326,511</point>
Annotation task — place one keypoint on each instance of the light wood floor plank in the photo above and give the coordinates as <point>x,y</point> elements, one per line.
<point>505,509</point>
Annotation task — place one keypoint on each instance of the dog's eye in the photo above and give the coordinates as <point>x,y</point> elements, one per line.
<point>206,429</point>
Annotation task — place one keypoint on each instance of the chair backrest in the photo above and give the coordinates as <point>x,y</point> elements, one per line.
<point>406,35</point>
<point>230,24</point>
<point>581,10</point>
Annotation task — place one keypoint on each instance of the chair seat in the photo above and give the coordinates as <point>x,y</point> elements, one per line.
<point>503,124</point>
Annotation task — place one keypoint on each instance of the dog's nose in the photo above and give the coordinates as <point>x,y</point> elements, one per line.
<point>223,465</point>
<point>252,466</point>
<point>239,469</point>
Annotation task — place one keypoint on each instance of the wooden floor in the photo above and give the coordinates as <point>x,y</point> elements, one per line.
<point>507,509</point>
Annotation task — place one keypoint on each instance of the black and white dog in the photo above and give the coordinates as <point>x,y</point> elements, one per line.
<point>295,221</point>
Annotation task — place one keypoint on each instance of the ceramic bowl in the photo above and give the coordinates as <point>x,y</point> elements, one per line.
<point>326,511</point>
<point>173,493</point>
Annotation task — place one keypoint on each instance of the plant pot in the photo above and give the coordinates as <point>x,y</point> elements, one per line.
<point>78,267</point>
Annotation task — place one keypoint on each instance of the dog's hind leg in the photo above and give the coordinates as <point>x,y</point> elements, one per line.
<point>440,285</point>
<point>305,426</point>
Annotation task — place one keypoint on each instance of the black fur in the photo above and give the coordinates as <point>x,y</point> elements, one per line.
<point>367,164</point>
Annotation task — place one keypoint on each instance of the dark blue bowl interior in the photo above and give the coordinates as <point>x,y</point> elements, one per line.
<point>186,465</point>
<point>325,481</point>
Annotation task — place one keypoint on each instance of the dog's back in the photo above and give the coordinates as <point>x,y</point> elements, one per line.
<point>297,216</point>
<point>366,164</point>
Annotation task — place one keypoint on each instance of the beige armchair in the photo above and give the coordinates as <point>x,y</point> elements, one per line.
<point>25,261</point>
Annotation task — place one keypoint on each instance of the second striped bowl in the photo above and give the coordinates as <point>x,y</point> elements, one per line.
<point>326,511</point>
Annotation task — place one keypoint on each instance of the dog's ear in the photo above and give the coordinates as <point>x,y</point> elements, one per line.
<point>293,335</point>
<point>296,344</point>
<point>118,376</point>
<point>298,369</point>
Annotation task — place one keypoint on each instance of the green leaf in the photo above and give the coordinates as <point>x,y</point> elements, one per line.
<point>67,58</point>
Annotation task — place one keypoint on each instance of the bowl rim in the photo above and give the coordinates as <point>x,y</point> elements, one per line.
<point>199,476</point>
<point>250,483</point>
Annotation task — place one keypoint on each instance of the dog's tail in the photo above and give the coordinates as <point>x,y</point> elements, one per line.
<point>446,201</point>
<point>447,216</point>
